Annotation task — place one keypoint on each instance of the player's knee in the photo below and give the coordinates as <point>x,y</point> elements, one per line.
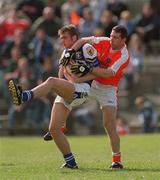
<point>105,125</point>
<point>55,132</point>
<point>110,127</point>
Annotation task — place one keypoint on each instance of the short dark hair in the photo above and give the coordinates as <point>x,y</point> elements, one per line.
<point>122,30</point>
<point>71,29</point>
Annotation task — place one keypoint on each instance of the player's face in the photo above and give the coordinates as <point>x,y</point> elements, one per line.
<point>67,40</point>
<point>117,42</point>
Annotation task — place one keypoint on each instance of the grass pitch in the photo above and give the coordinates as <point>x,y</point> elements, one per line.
<point>31,158</point>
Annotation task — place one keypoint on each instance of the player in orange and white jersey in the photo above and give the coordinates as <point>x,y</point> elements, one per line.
<point>111,58</point>
<point>114,58</point>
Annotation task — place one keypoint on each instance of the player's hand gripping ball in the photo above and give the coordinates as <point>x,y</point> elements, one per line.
<point>80,69</point>
<point>67,57</point>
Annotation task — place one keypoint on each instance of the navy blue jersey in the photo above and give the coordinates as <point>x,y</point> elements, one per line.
<point>86,55</point>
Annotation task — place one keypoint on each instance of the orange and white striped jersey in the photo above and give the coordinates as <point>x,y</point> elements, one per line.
<point>117,60</point>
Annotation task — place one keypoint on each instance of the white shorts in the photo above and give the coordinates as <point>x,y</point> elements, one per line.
<point>84,88</point>
<point>106,95</point>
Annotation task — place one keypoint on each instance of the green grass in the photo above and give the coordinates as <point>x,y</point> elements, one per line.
<point>31,158</point>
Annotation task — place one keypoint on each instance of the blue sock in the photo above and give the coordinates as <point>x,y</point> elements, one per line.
<point>27,95</point>
<point>70,160</point>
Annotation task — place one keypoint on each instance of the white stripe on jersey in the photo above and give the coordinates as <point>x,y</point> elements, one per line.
<point>124,57</point>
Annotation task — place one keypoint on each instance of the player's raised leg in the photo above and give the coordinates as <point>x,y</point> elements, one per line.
<point>62,87</point>
<point>16,92</point>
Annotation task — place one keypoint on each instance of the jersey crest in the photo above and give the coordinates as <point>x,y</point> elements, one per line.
<point>90,51</point>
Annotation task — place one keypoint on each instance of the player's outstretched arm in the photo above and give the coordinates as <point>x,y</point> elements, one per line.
<point>94,71</point>
<point>103,72</point>
<point>81,42</point>
<point>90,40</point>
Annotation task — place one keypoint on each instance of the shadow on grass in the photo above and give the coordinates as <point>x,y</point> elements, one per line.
<point>120,170</point>
<point>7,164</point>
<point>94,169</point>
<point>142,169</point>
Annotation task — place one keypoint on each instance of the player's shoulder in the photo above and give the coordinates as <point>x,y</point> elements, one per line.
<point>124,51</point>
<point>89,51</point>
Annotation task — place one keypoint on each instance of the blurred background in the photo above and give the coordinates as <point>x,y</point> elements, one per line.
<point>30,49</point>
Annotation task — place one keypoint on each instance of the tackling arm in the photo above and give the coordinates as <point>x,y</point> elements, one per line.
<point>81,42</point>
<point>102,72</point>
<point>90,40</point>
